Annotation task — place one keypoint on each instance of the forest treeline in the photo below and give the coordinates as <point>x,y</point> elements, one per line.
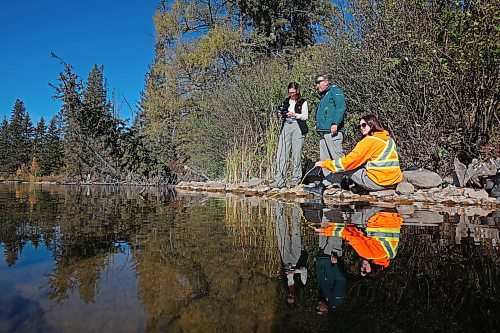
<point>428,68</point>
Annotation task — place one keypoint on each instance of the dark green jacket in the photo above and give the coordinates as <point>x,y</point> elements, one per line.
<point>332,282</point>
<point>331,109</point>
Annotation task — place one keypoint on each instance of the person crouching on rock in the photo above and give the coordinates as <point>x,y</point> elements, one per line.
<point>374,161</point>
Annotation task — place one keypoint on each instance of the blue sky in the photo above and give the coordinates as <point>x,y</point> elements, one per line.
<point>118,34</point>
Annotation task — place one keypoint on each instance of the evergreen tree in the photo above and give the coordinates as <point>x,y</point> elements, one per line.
<point>99,124</point>
<point>27,137</point>
<point>19,148</point>
<point>72,117</point>
<point>5,147</point>
<point>38,139</point>
<point>51,154</point>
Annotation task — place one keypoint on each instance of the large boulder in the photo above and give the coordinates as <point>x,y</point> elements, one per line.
<point>422,178</point>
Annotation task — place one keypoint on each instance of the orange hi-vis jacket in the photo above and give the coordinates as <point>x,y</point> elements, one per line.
<point>378,151</point>
<point>379,243</point>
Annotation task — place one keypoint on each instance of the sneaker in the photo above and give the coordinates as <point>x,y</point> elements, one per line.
<point>316,190</point>
<point>294,183</point>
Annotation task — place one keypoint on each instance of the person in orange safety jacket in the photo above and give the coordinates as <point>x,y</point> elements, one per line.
<point>374,160</point>
<point>376,245</point>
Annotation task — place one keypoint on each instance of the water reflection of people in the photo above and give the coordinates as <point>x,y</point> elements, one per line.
<point>293,255</point>
<point>329,265</point>
<point>376,242</point>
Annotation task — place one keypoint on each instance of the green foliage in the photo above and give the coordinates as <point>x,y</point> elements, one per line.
<point>428,69</point>
<point>51,157</point>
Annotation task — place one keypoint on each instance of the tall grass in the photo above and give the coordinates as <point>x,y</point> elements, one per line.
<point>251,155</point>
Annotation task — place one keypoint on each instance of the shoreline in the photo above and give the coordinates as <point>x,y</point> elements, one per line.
<point>449,196</point>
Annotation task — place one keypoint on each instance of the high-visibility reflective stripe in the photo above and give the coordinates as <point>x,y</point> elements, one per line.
<point>338,165</point>
<point>389,230</point>
<point>391,252</point>
<point>387,150</point>
<point>382,164</point>
<point>337,231</point>
<point>394,236</point>
<point>383,160</point>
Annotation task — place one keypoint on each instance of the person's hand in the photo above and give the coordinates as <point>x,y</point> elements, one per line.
<point>318,164</point>
<point>334,129</point>
<point>333,259</point>
<point>291,114</point>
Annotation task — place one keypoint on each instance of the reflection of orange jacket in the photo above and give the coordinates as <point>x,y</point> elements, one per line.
<point>378,154</point>
<point>379,243</point>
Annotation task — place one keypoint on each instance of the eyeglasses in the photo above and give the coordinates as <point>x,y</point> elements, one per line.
<point>362,125</point>
<point>318,81</point>
<point>292,92</point>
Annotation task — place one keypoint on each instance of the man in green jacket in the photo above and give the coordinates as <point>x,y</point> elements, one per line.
<point>329,125</point>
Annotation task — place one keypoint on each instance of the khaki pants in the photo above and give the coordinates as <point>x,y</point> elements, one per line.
<point>291,139</point>
<point>361,178</point>
<point>330,148</point>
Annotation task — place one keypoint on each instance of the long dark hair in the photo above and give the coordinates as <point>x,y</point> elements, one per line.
<point>374,123</point>
<point>295,85</point>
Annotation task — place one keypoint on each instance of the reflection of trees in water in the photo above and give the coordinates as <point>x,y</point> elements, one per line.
<point>79,225</point>
<point>431,285</point>
<point>211,264</point>
<point>251,229</point>
<point>197,279</point>
<point>82,275</point>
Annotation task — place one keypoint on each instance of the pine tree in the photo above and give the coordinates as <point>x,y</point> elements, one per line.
<point>39,139</point>
<point>27,137</point>
<point>51,154</point>
<point>19,144</point>
<point>100,124</point>
<point>72,117</point>
<point>5,147</point>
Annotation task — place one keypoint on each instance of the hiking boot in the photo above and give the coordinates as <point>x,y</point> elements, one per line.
<point>346,182</point>
<point>316,190</point>
<point>356,189</point>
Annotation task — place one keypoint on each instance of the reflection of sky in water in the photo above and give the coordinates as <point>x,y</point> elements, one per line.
<point>25,292</point>
<point>120,262</point>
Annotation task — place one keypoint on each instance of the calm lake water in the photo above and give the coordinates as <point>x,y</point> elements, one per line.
<point>116,259</point>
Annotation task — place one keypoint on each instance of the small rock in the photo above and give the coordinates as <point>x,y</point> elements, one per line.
<point>476,194</point>
<point>255,182</point>
<point>332,190</point>
<point>405,209</point>
<point>405,188</point>
<point>383,193</point>
<point>425,217</point>
<point>262,188</point>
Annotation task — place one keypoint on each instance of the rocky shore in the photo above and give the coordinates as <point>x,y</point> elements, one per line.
<point>419,188</point>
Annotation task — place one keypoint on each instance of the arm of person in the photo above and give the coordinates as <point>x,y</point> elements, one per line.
<point>361,154</point>
<point>305,112</point>
<point>337,100</point>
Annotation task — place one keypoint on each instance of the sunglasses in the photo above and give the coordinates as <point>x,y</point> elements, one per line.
<point>318,81</point>
<point>363,125</point>
<point>292,92</point>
